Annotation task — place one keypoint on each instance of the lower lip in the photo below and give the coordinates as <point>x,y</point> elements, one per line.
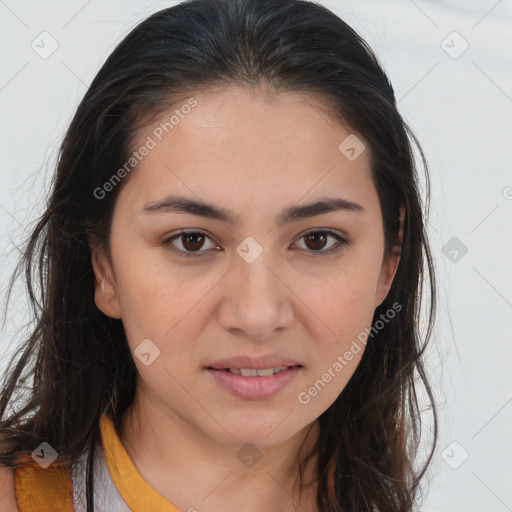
<point>254,388</point>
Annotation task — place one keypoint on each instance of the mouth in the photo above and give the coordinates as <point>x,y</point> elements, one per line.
<point>254,384</point>
<point>254,372</point>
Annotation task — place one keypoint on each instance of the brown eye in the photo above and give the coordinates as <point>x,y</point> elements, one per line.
<point>316,241</point>
<point>191,243</point>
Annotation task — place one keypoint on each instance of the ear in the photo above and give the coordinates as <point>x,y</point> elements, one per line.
<point>106,295</point>
<point>390,265</point>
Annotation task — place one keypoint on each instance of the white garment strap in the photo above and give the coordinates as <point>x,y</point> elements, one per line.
<point>106,495</point>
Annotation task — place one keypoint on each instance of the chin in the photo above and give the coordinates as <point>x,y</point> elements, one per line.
<point>262,434</point>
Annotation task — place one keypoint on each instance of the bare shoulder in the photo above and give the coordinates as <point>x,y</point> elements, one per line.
<point>7,493</point>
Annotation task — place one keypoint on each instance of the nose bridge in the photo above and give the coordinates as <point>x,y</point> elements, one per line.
<point>254,273</point>
<point>256,299</point>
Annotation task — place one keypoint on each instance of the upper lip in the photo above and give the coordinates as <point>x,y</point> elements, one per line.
<point>258,363</point>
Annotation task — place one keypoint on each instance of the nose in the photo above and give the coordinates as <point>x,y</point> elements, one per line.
<point>256,300</point>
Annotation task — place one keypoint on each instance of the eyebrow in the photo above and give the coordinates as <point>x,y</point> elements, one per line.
<point>182,204</point>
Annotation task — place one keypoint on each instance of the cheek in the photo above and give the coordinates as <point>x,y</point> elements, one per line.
<point>152,296</point>
<point>346,307</point>
<point>168,304</point>
<point>348,313</point>
<point>345,301</point>
<point>158,304</point>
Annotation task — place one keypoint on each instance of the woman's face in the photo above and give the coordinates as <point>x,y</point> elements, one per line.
<point>252,279</point>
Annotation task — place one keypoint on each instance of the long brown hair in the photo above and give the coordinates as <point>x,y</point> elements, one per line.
<point>78,358</point>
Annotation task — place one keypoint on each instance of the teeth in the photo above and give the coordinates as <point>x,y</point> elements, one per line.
<point>249,373</point>
<point>266,373</point>
<point>253,372</point>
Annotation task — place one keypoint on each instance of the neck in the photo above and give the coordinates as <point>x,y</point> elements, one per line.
<point>190,469</point>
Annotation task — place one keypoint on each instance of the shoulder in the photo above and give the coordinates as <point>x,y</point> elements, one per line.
<point>7,492</point>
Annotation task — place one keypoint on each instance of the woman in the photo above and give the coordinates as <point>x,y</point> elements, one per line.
<point>231,268</point>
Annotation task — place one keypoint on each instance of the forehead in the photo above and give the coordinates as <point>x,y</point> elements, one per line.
<point>240,143</point>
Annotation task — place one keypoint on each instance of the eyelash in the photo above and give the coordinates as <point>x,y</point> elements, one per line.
<point>335,248</point>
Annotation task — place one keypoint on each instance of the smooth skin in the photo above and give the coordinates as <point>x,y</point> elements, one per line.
<point>254,154</point>
<point>7,492</point>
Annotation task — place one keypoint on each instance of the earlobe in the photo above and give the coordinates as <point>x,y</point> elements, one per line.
<point>386,278</point>
<point>105,289</point>
<point>390,265</point>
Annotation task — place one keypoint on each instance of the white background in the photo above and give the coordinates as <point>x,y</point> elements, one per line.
<point>460,109</point>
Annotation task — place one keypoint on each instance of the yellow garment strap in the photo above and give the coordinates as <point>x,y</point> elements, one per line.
<point>135,491</point>
<point>43,490</point>
<point>51,489</point>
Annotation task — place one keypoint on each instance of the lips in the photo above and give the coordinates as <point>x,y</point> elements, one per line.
<point>253,372</point>
<point>254,388</point>
<point>253,363</point>
<point>254,378</point>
